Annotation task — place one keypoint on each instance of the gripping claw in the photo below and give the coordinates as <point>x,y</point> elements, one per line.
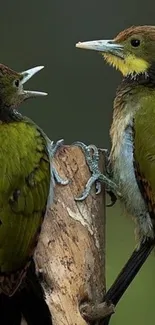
<point>92,158</point>
<point>52,148</point>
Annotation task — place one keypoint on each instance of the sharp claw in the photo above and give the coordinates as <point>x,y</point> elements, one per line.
<point>56,146</point>
<point>113,199</point>
<point>52,148</point>
<point>87,152</point>
<point>92,158</point>
<point>83,196</point>
<point>58,178</point>
<point>79,144</point>
<point>88,187</point>
<point>98,187</point>
<point>95,151</point>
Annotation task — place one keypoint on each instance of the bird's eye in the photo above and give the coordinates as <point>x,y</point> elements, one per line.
<point>16,83</point>
<point>135,42</point>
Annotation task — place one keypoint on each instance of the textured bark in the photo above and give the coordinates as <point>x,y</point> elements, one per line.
<point>71,249</point>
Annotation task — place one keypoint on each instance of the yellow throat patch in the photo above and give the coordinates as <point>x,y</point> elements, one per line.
<point>131,64</point>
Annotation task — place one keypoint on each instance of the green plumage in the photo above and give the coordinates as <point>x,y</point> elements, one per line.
<point>132,156</point>
<point>24,189</point>
<point>25,179</point>
<point>144,144</point>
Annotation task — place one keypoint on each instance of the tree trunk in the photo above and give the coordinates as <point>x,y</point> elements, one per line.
<point>71,249</point>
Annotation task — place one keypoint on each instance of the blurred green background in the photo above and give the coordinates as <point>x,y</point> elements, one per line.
<point>79,106</point>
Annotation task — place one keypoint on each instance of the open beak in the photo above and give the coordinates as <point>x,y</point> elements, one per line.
<point>103,46</point>
<point>26,76</point>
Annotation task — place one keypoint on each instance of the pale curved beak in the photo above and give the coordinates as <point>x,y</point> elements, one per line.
<point>103,46</point>
<point>26,76</point>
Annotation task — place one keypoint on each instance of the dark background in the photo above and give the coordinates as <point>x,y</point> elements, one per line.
<point>79,106</point>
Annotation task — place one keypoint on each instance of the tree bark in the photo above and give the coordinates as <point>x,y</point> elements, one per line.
<point>71,249</point>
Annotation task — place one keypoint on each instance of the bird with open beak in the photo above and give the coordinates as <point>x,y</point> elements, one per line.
<point>132,155</point>
<point>26,181</point>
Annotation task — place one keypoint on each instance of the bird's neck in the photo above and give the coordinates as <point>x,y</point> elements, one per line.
<point>8,115</point>
<point>127,102</point>
<point>146,78</point>
<point>132,88</point>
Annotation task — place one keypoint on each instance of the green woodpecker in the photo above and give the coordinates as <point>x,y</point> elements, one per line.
<point>25,179</point>
<point>132,156</point>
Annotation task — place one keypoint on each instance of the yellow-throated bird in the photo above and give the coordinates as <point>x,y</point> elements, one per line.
<point>25,179</point>
<point>132,156</point>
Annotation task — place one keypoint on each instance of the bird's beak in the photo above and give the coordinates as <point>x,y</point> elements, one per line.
<point>103,46</point>
<point>26,76</point>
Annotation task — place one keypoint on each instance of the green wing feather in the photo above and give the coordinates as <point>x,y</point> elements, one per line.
<point>144,151</point>
<point>24,189</point>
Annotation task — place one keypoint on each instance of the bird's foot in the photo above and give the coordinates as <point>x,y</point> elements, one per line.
<point>92,158</point>
<point>53,147</point>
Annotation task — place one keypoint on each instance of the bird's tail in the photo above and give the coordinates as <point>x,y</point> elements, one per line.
<point>29,302</point>
<point>32,302</point>
<point>9,311</point>
<point>127,275</point>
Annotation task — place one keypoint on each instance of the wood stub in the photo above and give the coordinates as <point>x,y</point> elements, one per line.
<point>71,251</point>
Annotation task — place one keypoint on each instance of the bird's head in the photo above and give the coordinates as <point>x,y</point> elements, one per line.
<point>132,51</point>
<point>12,93</point>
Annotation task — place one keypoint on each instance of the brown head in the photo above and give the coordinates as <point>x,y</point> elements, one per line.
<point>132,51</point>
<point>12,93</point>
